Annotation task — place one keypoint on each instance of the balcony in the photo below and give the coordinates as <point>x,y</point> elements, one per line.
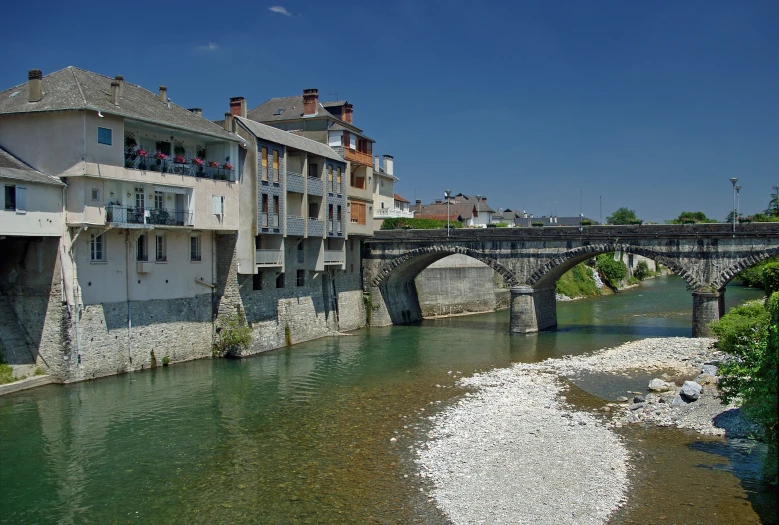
<point>386,213</point>
<point>314,186</point>
<point>295,182</point>
<point>268,257</point>
<point>314,228</point>
<point>358,157</point>
<point>180,166</point>
<point>132,215</point>
<point>295,225</point>
<point>334,257</point>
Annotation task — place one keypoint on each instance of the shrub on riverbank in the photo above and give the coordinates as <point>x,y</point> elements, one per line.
<point>233,335</point>
<point>754,276</point>
<point>612,271</point>
<point>401,223</point>
<point>577,282</point>
<point>750,333</point>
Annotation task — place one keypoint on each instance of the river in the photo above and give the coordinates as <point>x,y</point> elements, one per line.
<point>302,435</point>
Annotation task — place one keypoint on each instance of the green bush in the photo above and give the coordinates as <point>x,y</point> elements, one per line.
<point>750,333</point>
<point>641,271</point>
<point>612,271</point>
<point>232,336</point>
<point>165,360</point>
<point>6,374</point>
<point>577,282</point>
<point>771,277</point>
<point>753,276</point>
<point>498,225</point>
<point>537,224</point>
<point>398,223</point>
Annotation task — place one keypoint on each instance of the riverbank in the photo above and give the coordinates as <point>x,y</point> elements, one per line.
<point>514,451</point>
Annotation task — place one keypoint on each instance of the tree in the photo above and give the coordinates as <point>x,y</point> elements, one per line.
<point>687,217</point>
<point>622,216</point>
<point>773,204</point>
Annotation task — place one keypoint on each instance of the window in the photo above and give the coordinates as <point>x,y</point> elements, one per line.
<point>358,213</point>
<point>163,147</point>
<point>258,243</point>
<point>264,203</point>
<point>276,206</point>
<point>301,252</point>
<point>264,170</point>
<point>141,249</point>
<point>96,248</point>
<point>140,198</point>
<point>280,281</point>
<point>257,281</point>
<point>338,181</point>
<point>194,248</point>
<point>339,213</point>
<point>329,178</point>
<point>330,212</point>
<point>301,278</point>
<point>159,200</point>
<point>162,252</point>
<point>95,194</point>
<point>275,166</point>
<point>217,204</point>
<point>10,198</point>
<point>104,136</point>
<point>313,172</point>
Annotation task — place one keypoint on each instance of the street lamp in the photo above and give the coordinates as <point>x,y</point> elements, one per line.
<point>446,194</point>
<point>478,208</point>
<point>733,181</point>
<point>738,201</point>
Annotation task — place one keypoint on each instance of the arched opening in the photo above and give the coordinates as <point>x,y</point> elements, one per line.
<point>396,281</point>
<point>458,285</point>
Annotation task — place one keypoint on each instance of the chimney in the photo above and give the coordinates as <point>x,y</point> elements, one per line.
<point>229,122</point>
<point>35,78</point>
<point>438,201</point>
<point>346,113</point>
<point>196,111</point>
<point>388,164</point>
<point>376,164</point>
<point>115,93</point>
<point>310,101</point>
<point>164,94</point>
<point>419,205</point>
<point>120,79</point>
<point>238,106</point>
<point>484,200</point>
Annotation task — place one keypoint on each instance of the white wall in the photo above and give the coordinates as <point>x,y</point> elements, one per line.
<point>43,210</point>
<point>109,282</point>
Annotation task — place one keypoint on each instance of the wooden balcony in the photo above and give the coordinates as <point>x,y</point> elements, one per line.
<point>366,159</point>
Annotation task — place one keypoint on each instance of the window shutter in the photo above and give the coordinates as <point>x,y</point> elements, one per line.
<point>21,199</point>
<point>217,204</point>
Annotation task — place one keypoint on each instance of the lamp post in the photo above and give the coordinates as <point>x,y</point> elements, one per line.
<point>446,194</point>
<point>738,201</point>
<point>733,181</point>
<point>478,208</point>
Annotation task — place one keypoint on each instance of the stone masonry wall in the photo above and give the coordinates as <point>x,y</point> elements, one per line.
<point>457,284</point>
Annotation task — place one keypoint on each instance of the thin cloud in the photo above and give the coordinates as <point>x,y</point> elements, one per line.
<point>209,47</point>
<point>281,10</point>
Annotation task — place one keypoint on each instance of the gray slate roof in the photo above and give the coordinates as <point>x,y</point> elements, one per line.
<point>293,110</point>
<point>13,168</point>
<point>286,138</point>
<point>76,89</point>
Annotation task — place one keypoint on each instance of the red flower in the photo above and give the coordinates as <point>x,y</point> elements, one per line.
<point>161,156</point>
<point>213,164</point>
<point>198,161</point>
<point>228,166</point>
<point>142,153</point>
<point>179,159</point>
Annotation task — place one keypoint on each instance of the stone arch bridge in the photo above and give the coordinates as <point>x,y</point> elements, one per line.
<point>531,260</point>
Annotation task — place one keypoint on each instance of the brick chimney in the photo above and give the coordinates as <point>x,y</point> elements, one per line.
<point>35,78</point>
<point>164,94</point>
<point>310,101</point>
<point>120,79</point>
<point>196,111</point>
<point>229,122</point>
<point>115,93</point>
<point>346,113</point>
<point>238,106</point>
<point>419,205</point>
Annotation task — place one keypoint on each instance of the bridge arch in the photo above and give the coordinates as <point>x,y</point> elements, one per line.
<point>547,275</point>
<point>732,271</point>
<point>407,266</point>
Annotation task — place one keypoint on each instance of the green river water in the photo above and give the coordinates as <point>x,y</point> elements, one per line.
<point>302,435</point>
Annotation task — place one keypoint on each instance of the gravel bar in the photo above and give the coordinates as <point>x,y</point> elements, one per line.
<point>513,451</point>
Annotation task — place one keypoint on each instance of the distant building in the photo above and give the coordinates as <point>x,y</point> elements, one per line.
<point>469,210</point>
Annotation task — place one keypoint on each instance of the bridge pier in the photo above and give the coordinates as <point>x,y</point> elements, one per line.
<point>707,306</point>
<point>532,309</point>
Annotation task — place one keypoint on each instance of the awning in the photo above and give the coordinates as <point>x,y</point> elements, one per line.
<point>170,189</point>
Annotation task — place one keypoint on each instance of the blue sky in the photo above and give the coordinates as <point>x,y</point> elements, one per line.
<point>649,105</point>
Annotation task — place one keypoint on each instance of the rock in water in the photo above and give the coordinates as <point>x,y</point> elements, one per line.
<point>658,385</point>
<point>691,390</point>
<point>622,399</point>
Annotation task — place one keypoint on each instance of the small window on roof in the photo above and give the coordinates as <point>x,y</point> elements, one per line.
<point>279,111</point>
<point>104,136</point>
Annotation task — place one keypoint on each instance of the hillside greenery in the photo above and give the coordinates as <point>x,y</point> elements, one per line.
<point>612,271</point>
<point>577,282</point>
